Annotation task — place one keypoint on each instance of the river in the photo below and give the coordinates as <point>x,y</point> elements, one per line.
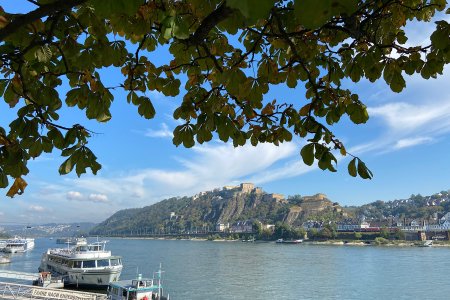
<point>235,270</point>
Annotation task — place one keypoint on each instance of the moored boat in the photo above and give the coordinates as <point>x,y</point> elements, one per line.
<point>83,265</point>
<point>137,289</point>
<point>72,241</point>
<point>46,280</point>
<point>283,241</point>
<point>18,244</point>
<point>427,243</point>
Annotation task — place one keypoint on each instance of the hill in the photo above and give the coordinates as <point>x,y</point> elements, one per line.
<point>230,204</point>
<point>48,230</point>
<point>234,204</point>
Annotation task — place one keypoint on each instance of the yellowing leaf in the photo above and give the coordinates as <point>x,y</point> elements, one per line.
<point>17,188</point>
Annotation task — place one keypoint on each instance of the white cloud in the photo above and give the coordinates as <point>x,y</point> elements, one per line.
<point>164,132</point>
<point>98,198</point>
<point>405,117</point>
<point>72,195</point>
<point>36,208</point>
<point>210,166</point>
<point>409,142</point>
<point>418,115</point>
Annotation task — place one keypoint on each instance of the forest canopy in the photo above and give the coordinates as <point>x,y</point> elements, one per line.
<point>229,54</point>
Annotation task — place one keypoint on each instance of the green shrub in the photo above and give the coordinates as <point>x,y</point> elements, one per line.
<point>381,241</point>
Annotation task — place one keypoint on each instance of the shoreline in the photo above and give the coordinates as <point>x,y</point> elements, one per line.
<point>355,243</point>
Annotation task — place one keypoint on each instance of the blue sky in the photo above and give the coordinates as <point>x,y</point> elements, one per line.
<point>405,143</point>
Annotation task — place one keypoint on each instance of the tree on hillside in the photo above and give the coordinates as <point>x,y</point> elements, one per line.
<point>229,53</point>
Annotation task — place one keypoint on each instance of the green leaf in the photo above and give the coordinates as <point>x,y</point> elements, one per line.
<point>105,8</point>
<point>363,171</point>
<point>67,166</point>
<point>393,76</point>
<point>352,167</point>
<point>313,14</point>
<point>3,84</point>
<point>252,9</point>
<point>3,179</point>
<point>43,53</point>
<point>146,108</point>
<point>440,37</point>
<point>358,113</point>
<point>307,154</point>
<point>36,148</point>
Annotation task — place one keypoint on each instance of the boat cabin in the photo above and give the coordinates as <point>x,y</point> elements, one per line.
<point>136,289</point>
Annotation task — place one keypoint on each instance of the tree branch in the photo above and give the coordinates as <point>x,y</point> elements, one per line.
<point>42,11</point>
<point>214,18</point>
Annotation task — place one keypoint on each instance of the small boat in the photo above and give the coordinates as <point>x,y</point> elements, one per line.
<point>427,243</point>
<point>250,240</point>
<point>139,288</point>
<point>283,241</point>
<point>47,281</point>
<point>5,260</point>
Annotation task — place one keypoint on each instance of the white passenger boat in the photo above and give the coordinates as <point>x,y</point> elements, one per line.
<point>83,265</point>
<point>137,289</point>
<point>18,244</point>
<point>72,241</point>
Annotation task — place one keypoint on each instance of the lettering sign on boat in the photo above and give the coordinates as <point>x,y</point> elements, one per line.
<point>52,294</point>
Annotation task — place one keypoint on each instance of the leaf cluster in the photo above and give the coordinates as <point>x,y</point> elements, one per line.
<point>230,53</point>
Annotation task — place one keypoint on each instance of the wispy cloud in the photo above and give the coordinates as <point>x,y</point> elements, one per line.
<point>210,166</point>
<point>409,142</point>
<point>36,208</point>
<point>163,132</point>
<point>419,115</point>
<point>402,117</point>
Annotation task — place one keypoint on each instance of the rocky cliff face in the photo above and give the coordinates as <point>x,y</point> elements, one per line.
<point>312,206</point>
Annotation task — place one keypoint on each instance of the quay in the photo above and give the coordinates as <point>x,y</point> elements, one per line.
<point>18,275</point>
<point>23,291</point>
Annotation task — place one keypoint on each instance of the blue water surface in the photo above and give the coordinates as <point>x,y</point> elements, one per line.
<point>235,270</point>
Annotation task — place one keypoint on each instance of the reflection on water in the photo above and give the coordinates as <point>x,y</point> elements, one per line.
<point>232,270</point>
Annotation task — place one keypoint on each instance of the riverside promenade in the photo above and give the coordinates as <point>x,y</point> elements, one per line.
<point>23,291</point>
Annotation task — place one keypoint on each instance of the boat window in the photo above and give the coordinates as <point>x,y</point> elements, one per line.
<point>89,264</point>
<point>103,263</point>
<point>149,283</point>
<point>95,248</point>
<point>132,296</point>
<point>82,248</point>
<point>115,290</point>
<point>115,262</point>
<point>77,264</point>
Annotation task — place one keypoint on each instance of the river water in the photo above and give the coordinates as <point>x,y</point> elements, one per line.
<point>235,270</point>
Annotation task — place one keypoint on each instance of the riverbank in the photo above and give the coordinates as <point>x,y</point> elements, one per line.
<point>357,243</point>
<point>387,243</point>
